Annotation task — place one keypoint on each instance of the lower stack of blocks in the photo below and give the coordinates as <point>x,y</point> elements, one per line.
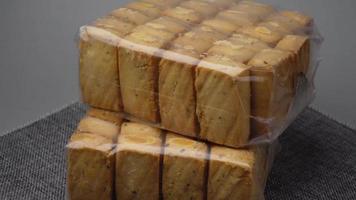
<point>109,158</point>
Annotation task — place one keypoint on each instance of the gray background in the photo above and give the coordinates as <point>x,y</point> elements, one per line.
<point>38,55</point>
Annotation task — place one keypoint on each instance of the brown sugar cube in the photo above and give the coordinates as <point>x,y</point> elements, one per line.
<point>139,55</point>
<point>137,162</point>
<point>105,115</point>
<point>223,100</point>
<point>184,14</point>
<point>254,8</point>
<point>272,88</point>
<point>205,9</point>
<point>184,168</point>
<point>300,46</point>
<point>237,173</point>
<point>90,167</point>
<point>98,63</point>
<point>176,80</point>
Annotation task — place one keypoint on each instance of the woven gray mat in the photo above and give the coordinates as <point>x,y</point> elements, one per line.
<point>317,161</point>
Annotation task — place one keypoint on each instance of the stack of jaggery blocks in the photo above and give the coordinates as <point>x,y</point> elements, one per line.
<point>222,71</point>
<point>177,89</point>
<point>110,158</point>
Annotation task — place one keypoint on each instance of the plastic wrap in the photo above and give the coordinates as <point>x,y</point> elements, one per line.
<point>225,71</point>
<point>109,158</point>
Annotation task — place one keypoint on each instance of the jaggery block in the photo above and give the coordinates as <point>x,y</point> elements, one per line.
<point>137,162</point>
<point>176,80</point>
<point>300,46</point>
<point>90,167</point>
<point>223,100</point>
<point>272,90</point>
<point>98,63</point>
<point>184,168</point>
<point>236,173</point>
<point>138,67</point>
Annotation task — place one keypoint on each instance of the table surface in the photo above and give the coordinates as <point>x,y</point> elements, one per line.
<point>317,159</point>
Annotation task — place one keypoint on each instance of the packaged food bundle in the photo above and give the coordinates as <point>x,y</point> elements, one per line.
<point>225,71</point>
<point>109,158</point>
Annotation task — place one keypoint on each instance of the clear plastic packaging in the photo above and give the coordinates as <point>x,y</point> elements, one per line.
<point>109,158</point>
<point>228,72</point>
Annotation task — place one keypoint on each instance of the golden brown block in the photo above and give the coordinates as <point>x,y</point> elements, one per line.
<point>254,8</point>
<point>236,173</point>
<point>273,89</point>
<point>221,4</point>
<point>145,8</point>
<point>300,46</point>
<point>176,79</point>
<point>221,25</point>
<point>99,127</point>
<point>90,167</point>
<point>131,16</point>
<point>239,18</point>
<point>184,14</point>
<point>223,100</point>
<point>183,159</point>
<point>169,24</point>
<point>98,64</point>
<point>137,162</point>
<point>139,56</point>
<point>302,19</point>
<point>163,3</point>
<point>264,33</point>
<point>205,9</point>
<point>223,90</point>
<point>109,116</point>
<point>285,22</point>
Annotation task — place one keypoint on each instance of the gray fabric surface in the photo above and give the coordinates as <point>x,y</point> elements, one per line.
<point>317,160</point>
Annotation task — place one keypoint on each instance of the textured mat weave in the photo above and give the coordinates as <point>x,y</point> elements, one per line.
<point>317,161</point>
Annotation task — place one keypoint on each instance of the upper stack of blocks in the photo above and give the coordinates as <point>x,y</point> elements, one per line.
<point>222,71</point>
